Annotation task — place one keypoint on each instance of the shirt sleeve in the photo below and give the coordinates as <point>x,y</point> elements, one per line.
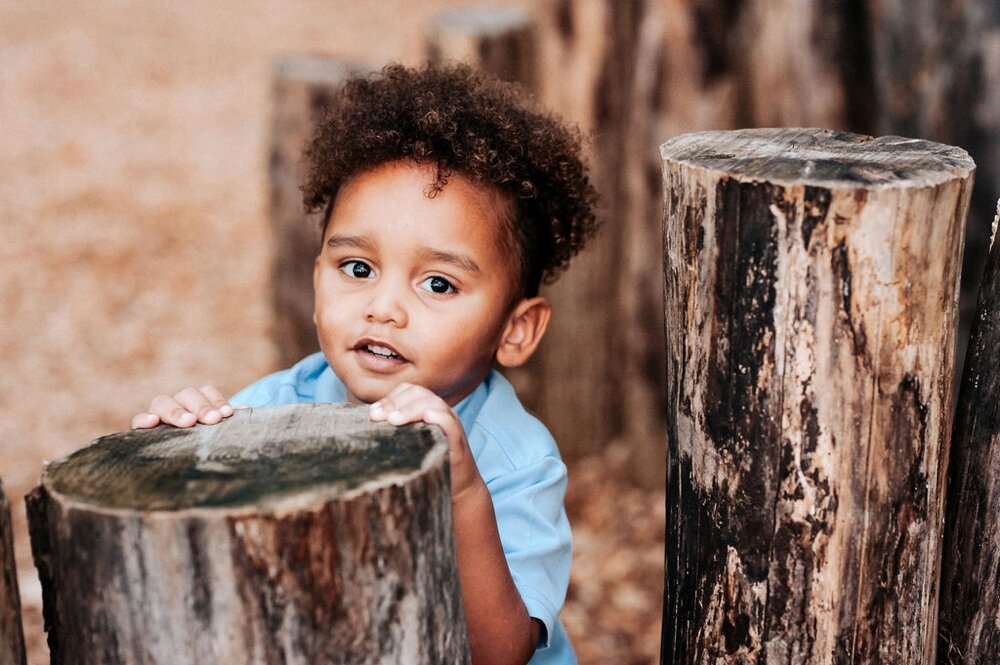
<point>535,533</point>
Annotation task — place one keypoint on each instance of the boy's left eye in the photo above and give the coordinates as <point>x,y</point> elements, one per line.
<point>437,285</point>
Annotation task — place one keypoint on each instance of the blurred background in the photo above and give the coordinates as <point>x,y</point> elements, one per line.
<point>141,209</point>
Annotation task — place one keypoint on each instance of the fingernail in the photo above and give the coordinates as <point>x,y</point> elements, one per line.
<point>226,410</point>
<point>212,413</point>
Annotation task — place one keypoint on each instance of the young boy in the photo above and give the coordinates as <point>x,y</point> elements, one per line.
<point>446,203</point>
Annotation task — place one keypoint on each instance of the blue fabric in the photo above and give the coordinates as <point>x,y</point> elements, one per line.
<point>518,459</point>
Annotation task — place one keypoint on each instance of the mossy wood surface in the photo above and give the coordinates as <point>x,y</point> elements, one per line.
<point>970,596</point>
<point>302,87</point>
<point>11,633</point>
<point>296,534</point>
<point>811,292</point>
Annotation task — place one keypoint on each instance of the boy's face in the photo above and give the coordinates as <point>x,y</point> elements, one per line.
<point>411,288</point>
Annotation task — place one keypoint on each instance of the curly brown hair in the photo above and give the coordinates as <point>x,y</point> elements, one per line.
<point>464,122</point>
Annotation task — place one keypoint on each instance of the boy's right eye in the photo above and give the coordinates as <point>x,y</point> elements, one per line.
<point>356,269</point>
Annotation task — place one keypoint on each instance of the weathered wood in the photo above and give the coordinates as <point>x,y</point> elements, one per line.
<point>936,73</point>
<point>811,285</point>
<point>496,39</point>
<point>298,534</point>
<point>302,86</point>
<point>11,632</point>
<point>970,597</point>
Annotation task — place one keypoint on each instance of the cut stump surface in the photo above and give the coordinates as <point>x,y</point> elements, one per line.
<point>297,534</point>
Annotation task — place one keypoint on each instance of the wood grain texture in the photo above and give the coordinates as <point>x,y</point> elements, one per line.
<point>302,87</point>
<point>970,598</point>
<point>11,632</point>
<point>298,534</point>
<point>811,290</point>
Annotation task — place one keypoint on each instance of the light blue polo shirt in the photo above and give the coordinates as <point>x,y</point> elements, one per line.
<point>518,459</point>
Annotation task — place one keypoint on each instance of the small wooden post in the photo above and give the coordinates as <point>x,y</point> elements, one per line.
<point>303,86</point>
<point>970,597</point>
<point>298,534</point>
<point>495,39</point>
<point>11,632</point>
<point>811,286</point>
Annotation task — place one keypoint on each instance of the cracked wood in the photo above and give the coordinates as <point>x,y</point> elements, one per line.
<point>811,286</point>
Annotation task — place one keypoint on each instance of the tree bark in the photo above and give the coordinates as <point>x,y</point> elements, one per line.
<point>970,598</point>
<point>811,290</point>
<point>303,86</point>
<point>299,534</point>
<point>11,632</point>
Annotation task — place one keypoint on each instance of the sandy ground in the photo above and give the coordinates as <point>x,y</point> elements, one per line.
<point>135,250</point>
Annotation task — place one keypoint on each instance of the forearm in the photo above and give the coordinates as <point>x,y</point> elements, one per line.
<point>500,630</point>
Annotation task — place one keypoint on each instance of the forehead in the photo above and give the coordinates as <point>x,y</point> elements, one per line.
<point>398,198</point>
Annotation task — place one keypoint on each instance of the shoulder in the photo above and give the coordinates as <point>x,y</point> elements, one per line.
<point>305,381</point>
<point>506,434</point>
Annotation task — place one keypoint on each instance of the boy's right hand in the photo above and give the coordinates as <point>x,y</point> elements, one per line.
<point>185,409</point>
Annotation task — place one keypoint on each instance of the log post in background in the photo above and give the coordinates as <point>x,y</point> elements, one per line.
<point>499,40</point>
<point>11,632</point>
<point>970,597</point>
<point>811,292</point>
<point>298,534</point>
<point>496,39</point>
<point>302,87</point>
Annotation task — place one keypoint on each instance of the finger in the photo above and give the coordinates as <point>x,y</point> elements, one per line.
<point>171,412</point>
<point>380,409</point>
<point>199,404</point>
<point>408,405</point>
<point>449,422</point>
<point>218,400</point>
<point>145,420</point>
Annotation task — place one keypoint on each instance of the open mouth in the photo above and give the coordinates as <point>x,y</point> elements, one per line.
<point>379,351</point>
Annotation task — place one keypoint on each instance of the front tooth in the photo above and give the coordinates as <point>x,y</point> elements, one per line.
<point>380,350</point>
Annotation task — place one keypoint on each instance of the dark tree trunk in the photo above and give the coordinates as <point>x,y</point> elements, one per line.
<point>299,534</point>
<point>810,307</point>
<point>303,86</point>
<point>11,632</point>
<point>970,597</point>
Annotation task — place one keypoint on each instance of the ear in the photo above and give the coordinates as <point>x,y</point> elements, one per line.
<point>525,329</point>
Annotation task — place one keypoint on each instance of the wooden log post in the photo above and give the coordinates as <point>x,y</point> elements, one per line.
<point>499,40</point>
<point>496,39</point>
<point>302,87</point>
<point>970,597</point>
<point>11,631</point>
<point>811,285</point>
<point>298,534</point>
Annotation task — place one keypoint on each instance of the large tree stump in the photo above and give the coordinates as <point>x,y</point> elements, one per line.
<point>302,87</point>
<point>970,597</point>
<point>11,632</point>
<point>299,534</point>
<point>811,285</point>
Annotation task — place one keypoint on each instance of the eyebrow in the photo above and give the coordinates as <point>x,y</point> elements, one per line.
<point>458,260</point>
<point>360,242</point>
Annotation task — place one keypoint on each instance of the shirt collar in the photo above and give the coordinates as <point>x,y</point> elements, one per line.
<point>468,409</point>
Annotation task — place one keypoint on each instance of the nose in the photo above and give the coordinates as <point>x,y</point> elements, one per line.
<point>386,304</point>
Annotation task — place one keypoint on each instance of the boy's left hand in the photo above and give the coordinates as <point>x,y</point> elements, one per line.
<point>409,403</point>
